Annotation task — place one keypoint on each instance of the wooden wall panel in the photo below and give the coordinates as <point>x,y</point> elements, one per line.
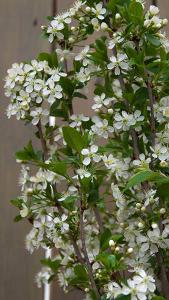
<point>20,22</point>
<point>164,11</point>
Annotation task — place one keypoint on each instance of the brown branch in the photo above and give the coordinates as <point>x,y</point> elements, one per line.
<point>89,267</point>
<point>98,218</point>
<point>43,141</point>
<point>152,117</point>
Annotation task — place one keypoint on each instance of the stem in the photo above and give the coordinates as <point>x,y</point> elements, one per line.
<point>135,143</point>
<point>152,118</point>
<point>154,2</point>
<point>89,267</point>
<point>42,139</point>
<point>98,218</point>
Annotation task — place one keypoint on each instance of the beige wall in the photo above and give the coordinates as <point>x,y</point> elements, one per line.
<point>20,22</point>
<point>20,40</point>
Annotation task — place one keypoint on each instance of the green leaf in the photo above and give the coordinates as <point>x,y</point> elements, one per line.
<point>67,85</point>
<point>74,139</point>
<point>158,298</point>
<point>18,218</point>
<point>136,11</point>
<point>81,272</point>
<point>81,276</point>
<point>153,40</point>
<point>104,239</point>
<point>108,260</point>
<point>52,264</point>
<point>58,167</point>
<point>27,153</point>
<point>123,297</point>
<point>146,175</point>
<point>79,95</point>
<point>17,202</point>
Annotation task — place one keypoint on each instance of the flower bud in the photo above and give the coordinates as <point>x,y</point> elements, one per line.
<point>117,249</point>
<point>29,191</point>
<point>154,10</point>
<point>117,16</point>
<point>163,164</point>
<point>104,26</point>
<point>129,250</point>
<point>164,21</point>
<point>88,9</point>
<point>166,112</point>
<point>81,19</point>
<point>110,111</point>
<point>154,225</point>
<point>111,243</point>
<point>86,290</point>
<point>73,28</point>
<point>138,205</point>
<point>71,39</point>
<point>143,208</point>
<point>162,211</point>
<point>140,225</point>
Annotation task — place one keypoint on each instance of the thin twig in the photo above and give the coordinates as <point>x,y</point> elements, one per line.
<point>89,267</point>
<point>152,117</point>
<point>43,141</point>
<point>98,218</point>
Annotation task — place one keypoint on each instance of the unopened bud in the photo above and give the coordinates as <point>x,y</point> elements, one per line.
<point>117,16</point>
<point>154,225</point>
<point>71,39</point>
<point>88,9</point>
<point>29,191</point>
<point>162,211</point>
<point>140,225</point>
<point>165,21</point>
<point>104,26</point>
<point>73,28</point>
<point>111,243</point>
<point>163,164</point>
<point>143,208</point>
<point>110,111</point>
<point>129,250</point>
<point>117,249</point>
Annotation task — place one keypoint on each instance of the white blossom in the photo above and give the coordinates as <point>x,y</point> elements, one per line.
<point>99,11</point>
<point>78,120</point>
<point>118,63</point>
<point>39,115</point>
<point>90,154</point>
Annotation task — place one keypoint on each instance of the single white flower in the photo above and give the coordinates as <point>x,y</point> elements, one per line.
<point>82,56</point>
<point>83,173</point>
<point>99,11</point>
<point>124,121</point>
<point>39,115</point>
<point>101,127</point>
<point>118,63</point>
<point>78,119</point>
<point>160,152</point>
<point>101,101</point>
<point>90,154</point>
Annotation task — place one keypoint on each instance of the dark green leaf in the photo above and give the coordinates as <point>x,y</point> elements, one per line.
<point>74,139</point>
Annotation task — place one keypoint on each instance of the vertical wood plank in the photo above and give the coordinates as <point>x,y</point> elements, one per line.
<point>20,22</point>
<point>164,11</point>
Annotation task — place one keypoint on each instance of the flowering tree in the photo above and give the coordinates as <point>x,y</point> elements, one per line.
<point>97,189</point>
